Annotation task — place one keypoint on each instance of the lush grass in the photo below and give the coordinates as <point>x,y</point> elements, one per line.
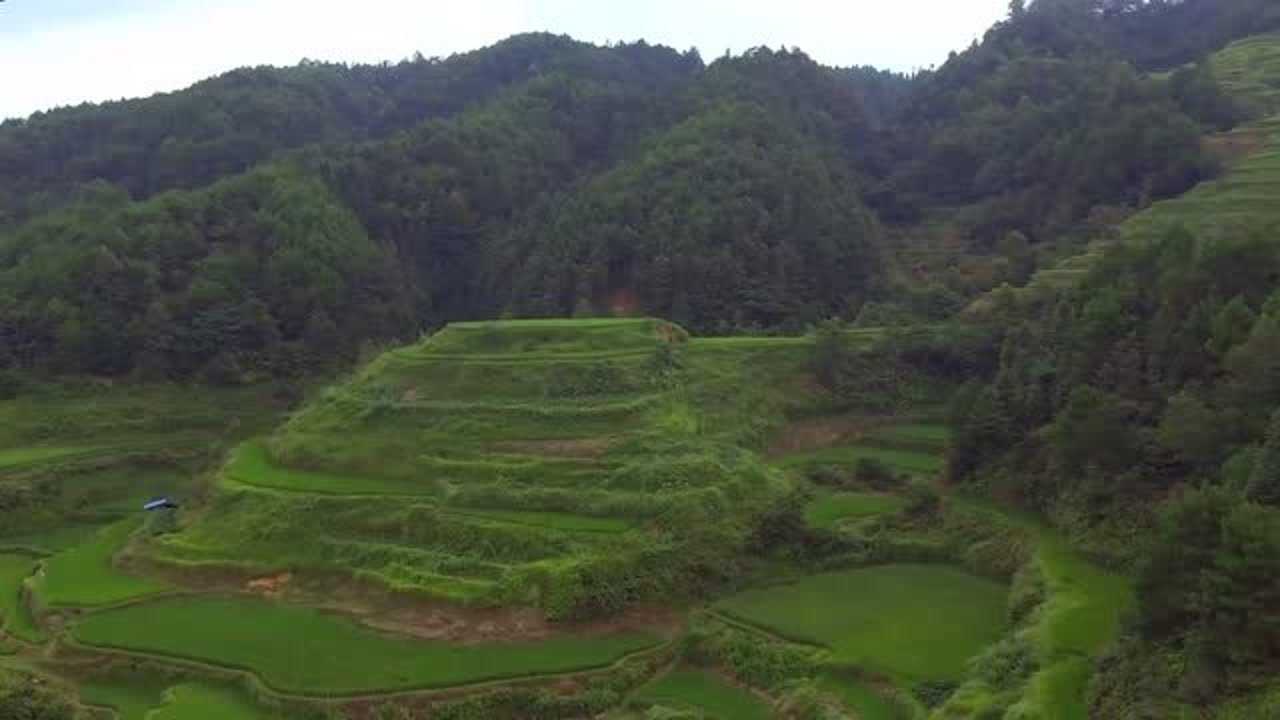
<point>905,461</point>
<point>489,453</point>
<point>51,541</point>
<point>859,697</point>
<point>75,415</point>
<point>829,509</point>
<point>550,520</point>
<point>252,465</point>
<point>1249,70</point>
<point>199,701</point>
<point>918,622</point>
<point>15,617</point>
<point>1086,602</point>
<point>16,457</point>
<point>704,692</point>
<point>84,575</point>
<point>130,697</point>
<point>924,434</point>
<point>1080,619</point>
<point>311,652</point>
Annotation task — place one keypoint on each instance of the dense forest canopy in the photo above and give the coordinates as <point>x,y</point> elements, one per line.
<point>548,176</point>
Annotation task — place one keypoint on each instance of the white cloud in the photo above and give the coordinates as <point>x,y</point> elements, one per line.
<point>161,47</point>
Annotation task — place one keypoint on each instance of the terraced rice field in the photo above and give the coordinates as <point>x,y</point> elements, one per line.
<point>914,622</point>
<point>23,456</point>
<point>251,465</point>
<point>306,651</point>
<point>705,693</point>
<point>129,698</point>
<point>828,510</point>
<point>198,701</point>
<point>911,462</point>
<point>1249,70</point>
<point>84,576</point>
<point>1081,618</point>
<point>1241,201</point>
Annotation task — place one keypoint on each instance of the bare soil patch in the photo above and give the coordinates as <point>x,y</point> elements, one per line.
<point>585,448</point>
<point>820,433</point>
<point>1234,147</point>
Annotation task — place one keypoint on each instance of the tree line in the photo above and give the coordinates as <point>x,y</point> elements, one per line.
<point>543,176</point>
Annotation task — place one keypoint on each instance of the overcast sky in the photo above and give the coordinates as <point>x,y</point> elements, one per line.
<point>59,52</point>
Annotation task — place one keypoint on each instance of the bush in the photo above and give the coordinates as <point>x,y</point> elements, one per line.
<point>874,473</point>
<point>933,693</point>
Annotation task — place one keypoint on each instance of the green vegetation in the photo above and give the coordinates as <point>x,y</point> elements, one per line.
<point>705,692</point>
<point>828,510</point>
<point>1103,174</point>
<point>194,701</point>
<point>508,462</point>
<point>868,702</point>
<point>131,697</point>
<point>1249,69</point>
<point>15,616</point>
<point>904,461</point>
<point>84,575</point>
<point>250,464</point>
<point>880,617</point>
<point>924,434</point>
<point>307,651</point>
<point>16,457</point>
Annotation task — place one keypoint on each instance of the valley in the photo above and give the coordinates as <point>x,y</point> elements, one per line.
<point>612,478</point>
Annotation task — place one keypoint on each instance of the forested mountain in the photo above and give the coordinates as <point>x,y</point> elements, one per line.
<point>273,223</point>
<point>547,176</point>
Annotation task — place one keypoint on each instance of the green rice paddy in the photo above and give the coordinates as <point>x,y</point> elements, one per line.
<point>923,434</point>
<point>16,457</point>
<point>918,622</point>
<point>251,465</point>
<point>129,698</point>
<point>84,576</point>
<point>828,510</point>
<point>704,692</point>
<point>306,651</point>
<point>905,461</point>
<point>198,701</point>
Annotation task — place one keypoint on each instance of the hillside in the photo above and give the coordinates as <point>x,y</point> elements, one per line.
<point>525,498</point>
<point>497,463</point>
<point>547,177</point>
<point>552,381</point>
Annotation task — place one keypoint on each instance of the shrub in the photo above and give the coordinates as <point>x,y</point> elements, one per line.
<point>933,693</point>
<point>874,473</point>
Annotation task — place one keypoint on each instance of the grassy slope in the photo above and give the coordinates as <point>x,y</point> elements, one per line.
<point>867,702</point>
<point>1080,618</point>
<point>494,450</point>
<point>310,652</point>
<point>704,692</point>
<point>1249,69</point>
<point>915,622</point>
<point>1243,199</point>
<point>84,575</point>
<point>15,618</point>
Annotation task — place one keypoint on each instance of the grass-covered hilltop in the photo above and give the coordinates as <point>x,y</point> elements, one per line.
<point>742,389</point>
